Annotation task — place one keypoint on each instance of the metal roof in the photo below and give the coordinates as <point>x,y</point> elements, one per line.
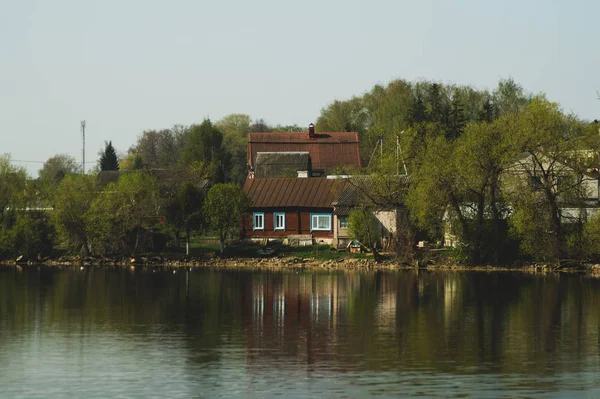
<point>293,192</point>
<point>327,150</point>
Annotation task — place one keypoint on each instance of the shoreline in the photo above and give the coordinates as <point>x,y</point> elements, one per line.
<point>292,263</point>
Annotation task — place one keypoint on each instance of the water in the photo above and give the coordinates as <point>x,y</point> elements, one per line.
<point>202,333</point>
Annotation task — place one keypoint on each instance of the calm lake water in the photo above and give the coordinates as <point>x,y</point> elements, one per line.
<point>159,333</point>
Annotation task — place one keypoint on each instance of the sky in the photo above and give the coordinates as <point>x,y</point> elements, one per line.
<point>125,66</point>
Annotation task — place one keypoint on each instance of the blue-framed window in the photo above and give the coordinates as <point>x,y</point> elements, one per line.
<point>279,221</point>
<point>258,221</point>
<point>320,222</point>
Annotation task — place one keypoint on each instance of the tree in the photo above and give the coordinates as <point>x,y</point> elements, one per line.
<point>458,182</point>
<point>108,158</point>
<point>549,175</point>
<point>160,149</point>
<point>362,226</point>
<point>225,207</point>
<point>13,189</point>
<point>57,167</point>
<point>184,211</point>
<point>457,119</point>
<point>204,143</point>
<point>235,128</point>
<point>119,213</point>
<point>71,202</point>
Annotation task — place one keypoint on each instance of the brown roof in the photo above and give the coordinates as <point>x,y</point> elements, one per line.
<point>293,192</point>
<point>327,150</point>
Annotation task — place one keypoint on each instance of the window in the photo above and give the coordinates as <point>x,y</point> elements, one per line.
<point>343,222</point>
<point>279,220</point>
<point>320,222</point>
<point>536,182</point>
<point>258,221</point>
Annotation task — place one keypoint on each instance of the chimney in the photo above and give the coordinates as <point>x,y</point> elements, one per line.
<point>311,131</point>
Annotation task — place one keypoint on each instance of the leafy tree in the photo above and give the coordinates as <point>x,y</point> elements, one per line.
<point>71,202</point>
<point>119,213</point>
<point>57,167</point>
<point>204,143</point>
<point>260,125</point>
<point>34,235</point>
<point>224,209</point>
<point>184,211</point>
<point>108,158</point>
<point>160,149</point>
<point>13,189</point>
<point>549,173</point>
<point>235,128</point>
<point>362,226</point>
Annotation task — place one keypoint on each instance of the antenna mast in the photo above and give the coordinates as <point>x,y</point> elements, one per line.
<point>83,147</point>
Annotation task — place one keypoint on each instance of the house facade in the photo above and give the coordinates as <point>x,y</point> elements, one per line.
<point>359,193</point>
<point>292,209</point>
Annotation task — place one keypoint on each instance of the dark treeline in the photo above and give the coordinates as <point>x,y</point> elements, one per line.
<point>503,174</point>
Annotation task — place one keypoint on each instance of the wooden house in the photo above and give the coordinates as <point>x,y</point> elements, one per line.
<point>292,208</point>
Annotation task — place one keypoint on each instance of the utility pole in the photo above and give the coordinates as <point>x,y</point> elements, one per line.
<point>83,147</point>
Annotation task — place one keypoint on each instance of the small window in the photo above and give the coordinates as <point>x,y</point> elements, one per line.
<point>258,221</point>
<point>320,222</point>
<point>279,220</point>
<point>343,222</point>
<point>536,182</point>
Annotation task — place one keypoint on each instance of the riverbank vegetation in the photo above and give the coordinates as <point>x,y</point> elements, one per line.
<point>506,175</point>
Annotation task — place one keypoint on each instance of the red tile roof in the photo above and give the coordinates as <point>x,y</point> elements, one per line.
<point>327,150</point>
<point>293,192</point>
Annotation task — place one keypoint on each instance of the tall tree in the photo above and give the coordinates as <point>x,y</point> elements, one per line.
<point>108,158</point>
<point>225,207</point>
<point>235,128</point>
<point>457,119</point>
<point>13,187</point>
<point>57,167</point>
<point>204,143</point>
<point>549,174</point>
<point>71,202</point>
<point>118,215</point>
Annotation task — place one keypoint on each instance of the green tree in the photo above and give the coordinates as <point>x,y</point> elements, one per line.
<point>362,226</point>
<point>549,175</point>
<point>57,167</point>
<point>204,143</point>
<point>235,128</point>
<point>71,202</point>
<point>108,158</point>
<point>119,214</point>
<point>224,209</point>
<point>184,211</point>
<point>13,191</point>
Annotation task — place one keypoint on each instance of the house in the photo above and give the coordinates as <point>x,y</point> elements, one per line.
<point>577,190</point>
<point>326,150</point>
<point>361,193</point>
<point>292,208</point>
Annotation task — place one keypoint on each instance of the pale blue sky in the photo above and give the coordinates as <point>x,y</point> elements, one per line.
<point>130,65</point>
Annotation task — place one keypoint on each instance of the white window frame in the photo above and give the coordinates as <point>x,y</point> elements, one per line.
<point>258,216</point>
<point>314,221</point>
<point>276,216</point>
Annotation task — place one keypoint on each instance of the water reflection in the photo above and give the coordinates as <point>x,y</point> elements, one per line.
<point>240,333</point>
